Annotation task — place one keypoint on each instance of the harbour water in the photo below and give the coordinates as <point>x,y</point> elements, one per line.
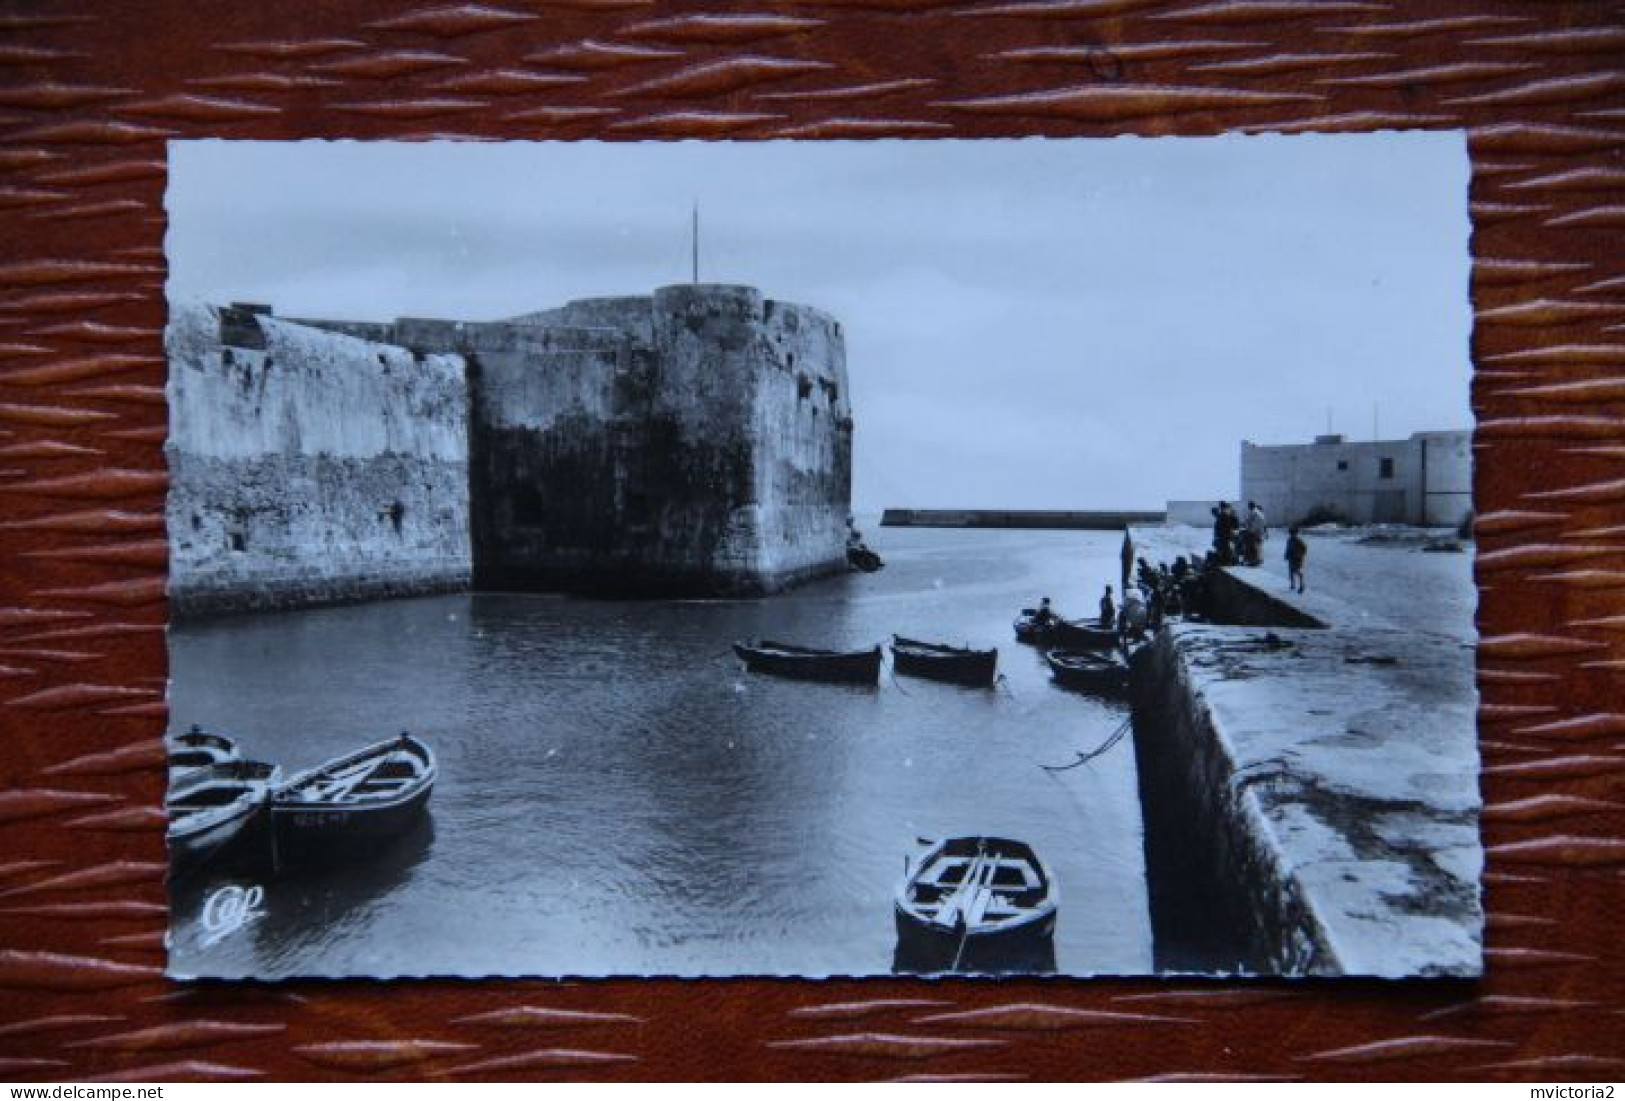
<point>618,797</point>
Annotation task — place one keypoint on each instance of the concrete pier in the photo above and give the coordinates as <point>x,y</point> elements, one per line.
<point>1311,790</point>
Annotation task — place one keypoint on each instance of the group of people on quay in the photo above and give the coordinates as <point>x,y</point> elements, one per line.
<point>1239,540</point>
<point>1150,594</point>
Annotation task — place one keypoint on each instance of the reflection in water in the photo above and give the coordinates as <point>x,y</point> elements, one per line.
<point>617,796</point>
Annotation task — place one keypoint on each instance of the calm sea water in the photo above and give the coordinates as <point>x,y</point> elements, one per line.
<point>618,797</point>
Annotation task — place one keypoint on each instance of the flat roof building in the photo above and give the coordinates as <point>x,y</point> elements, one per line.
<point>1424,480</point>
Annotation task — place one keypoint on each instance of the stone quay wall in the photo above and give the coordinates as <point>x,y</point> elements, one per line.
<point>1309,775</point>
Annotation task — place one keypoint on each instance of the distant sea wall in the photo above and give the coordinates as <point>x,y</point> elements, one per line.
<point>310,467</point>
<point>1015,518</point>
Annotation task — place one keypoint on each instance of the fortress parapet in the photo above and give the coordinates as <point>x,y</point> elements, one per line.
<point>695,441</point>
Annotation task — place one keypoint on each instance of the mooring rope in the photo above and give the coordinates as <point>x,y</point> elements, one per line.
<point>1084,758</point>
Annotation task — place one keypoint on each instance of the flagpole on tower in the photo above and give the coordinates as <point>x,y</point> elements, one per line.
<point>695,235</point>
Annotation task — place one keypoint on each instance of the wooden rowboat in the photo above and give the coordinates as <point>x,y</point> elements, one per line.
<point>864,559</point>
<point>977,903</point>
<point>1056,631</point>
<point>212,809</point>
<point>781,659</point>
<point>953,664</point>
<point>197,748</point>
<point>373,793</point>
<point>1089,670</point>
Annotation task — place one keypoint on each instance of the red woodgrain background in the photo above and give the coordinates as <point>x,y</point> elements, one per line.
<point>89,92</point>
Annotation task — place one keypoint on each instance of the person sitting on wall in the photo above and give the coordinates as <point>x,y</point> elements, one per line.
<point>1108,610</point>
<point>1296,551</point>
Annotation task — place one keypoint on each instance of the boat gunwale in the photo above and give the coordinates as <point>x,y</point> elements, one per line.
<point>284,801</point>
<point>921,925</point>
<point>936,650</point>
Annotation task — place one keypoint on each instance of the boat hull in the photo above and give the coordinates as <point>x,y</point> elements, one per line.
<point>856,667</point>
<point>305,826</point>
<point>312,822</point>
<point>1088,671</point>
<point>1064,633</point>
<point>212,843</point>
<point>970,668</point>
<point>926,948</point>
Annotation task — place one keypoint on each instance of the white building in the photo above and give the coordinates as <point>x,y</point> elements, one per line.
<point>1427,479</point>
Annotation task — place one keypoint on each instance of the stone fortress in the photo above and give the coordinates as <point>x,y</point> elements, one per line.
<point>696,441</point>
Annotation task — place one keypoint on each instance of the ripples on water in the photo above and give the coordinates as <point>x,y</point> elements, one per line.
<point>617,797</point>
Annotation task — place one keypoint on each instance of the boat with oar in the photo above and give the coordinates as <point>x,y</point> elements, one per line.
<point>951,664</point>
<point>976,904</point>
<point>214,808</point>
<point>198,748</point>
<point>864,560</point>
<point>1101,672</point>
<point>781,659</point>
<point>1037,630</point>
<point>373,793</point>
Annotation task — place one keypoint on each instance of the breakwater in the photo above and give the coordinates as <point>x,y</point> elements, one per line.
<point>1015,518</point>
<point>1310,785</point>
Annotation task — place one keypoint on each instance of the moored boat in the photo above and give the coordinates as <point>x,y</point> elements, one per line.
<point>953,664</point>
<point>1089,670</point>
<point>214,807</point>
<point>373,793</point>
<point>977,904</point>
<point>782,659</point>
<point>864,559</point>
<point>198,748</point>
<point>1073,635</point>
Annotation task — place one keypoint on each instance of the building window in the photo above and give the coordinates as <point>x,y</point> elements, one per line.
<point>1385,468</point>
<point>1342,464</point>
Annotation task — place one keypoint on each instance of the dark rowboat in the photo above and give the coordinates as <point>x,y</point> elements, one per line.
<point>213,807</point>
<point>952,664</point>
<point>1082,636</point>
<point>862,558</point>
<point>977,904</point>
<point>1089,670</point>
<point>1056,631</point>
<point>805,663</point>
<point>372,793</point>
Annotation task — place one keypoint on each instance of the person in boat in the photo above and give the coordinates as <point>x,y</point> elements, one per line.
<point>857,551</point>
<point>1045,615</point>
<point>1296,551</point>
<point>1108,609</point>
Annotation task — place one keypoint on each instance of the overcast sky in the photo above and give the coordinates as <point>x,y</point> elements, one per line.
<point>1030,324</point>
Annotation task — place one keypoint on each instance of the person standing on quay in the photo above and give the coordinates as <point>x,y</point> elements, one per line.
<point>1127,556</point>
<point>1296,551</point>
<point>1257,533</point>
